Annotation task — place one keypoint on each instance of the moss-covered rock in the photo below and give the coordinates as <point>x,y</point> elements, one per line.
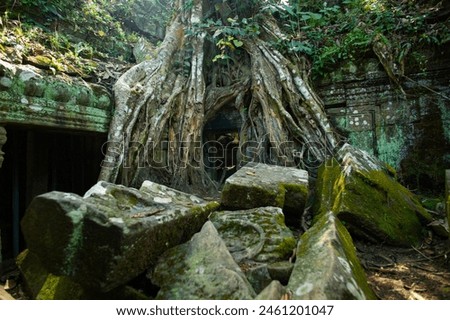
<point>60,288</point>
<point>202,268</point>
<point>327,267</point>
<point>274,291</point>
<point>368,200</point>
<point>42,285</point>
<point>258,235</point>
<point>33,273</point>
<point>259,185</point>
<point>281,271</point>
<point>113,233</point>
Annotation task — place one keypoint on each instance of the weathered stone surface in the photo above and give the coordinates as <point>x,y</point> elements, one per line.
<point>28,96</point>
<point>372,204</point>
<point>3,140</point>
<point>41,285</point>
<point>363,104</point>
<point>256,234</point>
<point>257,274</point>
<point>260,185</point>
<point>281,271</point>
<point>202,268</point>
<point>327,267</point>
<point>33,273</point>
<point>274,291</point>
<point>112,234</point>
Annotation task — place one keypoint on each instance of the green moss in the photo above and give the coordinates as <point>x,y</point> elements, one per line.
<point>372,204</point>
<point>295,197</point>
<point>391,147</point>
<point>319,254</point>
<point>350,253</point>
<point>33,273</point>
<point>327,188</point>
<point>286,247</point>
<point>264,196</point>
<point>75,241</point>
<point>60,288</point>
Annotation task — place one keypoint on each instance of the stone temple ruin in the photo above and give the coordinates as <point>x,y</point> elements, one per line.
<point>51,134</point>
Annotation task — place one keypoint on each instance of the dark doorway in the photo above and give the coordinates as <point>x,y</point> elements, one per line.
<point>38,161</point>
<point>221,143</point>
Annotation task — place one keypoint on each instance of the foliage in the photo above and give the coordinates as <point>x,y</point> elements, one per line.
<point>329,34</point>
<point>89,25</point>
<point>227,36</point>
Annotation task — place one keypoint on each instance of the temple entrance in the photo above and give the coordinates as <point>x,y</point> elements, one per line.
<point>221,144</point>
<point>37,161</point>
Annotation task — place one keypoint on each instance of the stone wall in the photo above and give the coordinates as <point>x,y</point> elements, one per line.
<point>56,125</point>
<point>30,96</point>
<point>411,133</point>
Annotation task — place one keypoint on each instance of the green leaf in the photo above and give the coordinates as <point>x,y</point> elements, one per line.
<point>217,33</point>
<point>238,43</point>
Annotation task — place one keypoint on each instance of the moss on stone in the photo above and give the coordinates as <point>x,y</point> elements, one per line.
<point>258,234</point>
<point>295,197</point>
<point>33,273</point>
<point>371,203</point>
<point>60,288</point>
<point>264,196</point>
<point>327,266</point>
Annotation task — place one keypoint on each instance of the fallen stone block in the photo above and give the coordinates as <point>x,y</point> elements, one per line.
<point>113,233</point>
<point>260,185</point>
<point>274,291</point>
<point>371,203</point>
<point>258,234</point>
<point>39,284</point>
<point>33,273</point>
<point>281,271</point>
<point>257,274</point>
<point>202,268</point>
<point>327,267</point>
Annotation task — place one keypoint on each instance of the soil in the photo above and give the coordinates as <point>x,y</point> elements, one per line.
<point>416,273</point>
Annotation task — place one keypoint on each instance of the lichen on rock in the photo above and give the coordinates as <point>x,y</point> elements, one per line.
<point>368,200</point>
<point>327,267</point>
<point>202,268</point>
<point>258,234</point>
<point>260,185</point>
<point>113,234</point>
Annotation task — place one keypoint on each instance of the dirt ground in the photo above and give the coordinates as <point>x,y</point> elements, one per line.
<point>416,273</point>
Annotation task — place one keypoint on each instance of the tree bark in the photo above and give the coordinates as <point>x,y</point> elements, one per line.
<point>162,107</point>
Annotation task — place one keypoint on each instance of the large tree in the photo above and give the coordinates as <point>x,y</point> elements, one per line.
<point>170,98</point>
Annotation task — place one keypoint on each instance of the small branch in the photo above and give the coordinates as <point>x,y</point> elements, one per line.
<point>422,254</point>
<point>426,87</point>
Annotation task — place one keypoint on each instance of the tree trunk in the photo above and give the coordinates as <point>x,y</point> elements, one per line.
<point>162,106</point>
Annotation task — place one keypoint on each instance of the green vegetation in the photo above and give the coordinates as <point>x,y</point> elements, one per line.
<point>330,34</point>
<point>326,34</point>
<point>371,204</point>
<point>64,36</point>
